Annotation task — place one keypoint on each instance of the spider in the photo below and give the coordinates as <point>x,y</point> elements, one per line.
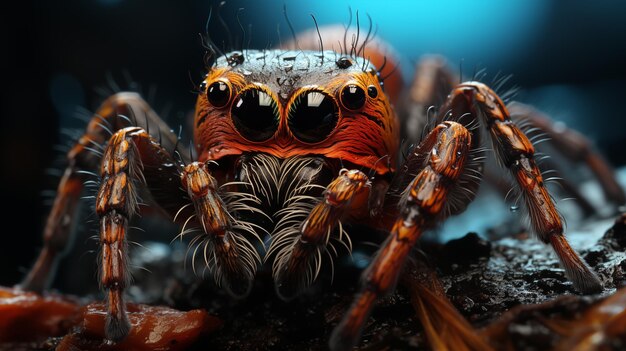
<point>292,145</point>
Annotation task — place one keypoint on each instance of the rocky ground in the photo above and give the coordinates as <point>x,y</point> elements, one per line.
<point>483,279</point>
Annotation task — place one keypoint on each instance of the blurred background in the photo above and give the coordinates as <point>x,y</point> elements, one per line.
<point>568,58</point>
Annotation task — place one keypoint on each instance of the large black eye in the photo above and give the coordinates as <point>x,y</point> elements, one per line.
<point>255,115</point>
<point>218,93</point>
<point>312,116</point>
<point>352,97</point>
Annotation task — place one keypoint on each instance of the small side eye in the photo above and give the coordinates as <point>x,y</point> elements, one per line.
<point>352,97</point>
<point>218,93</point>
<point>372,91</point>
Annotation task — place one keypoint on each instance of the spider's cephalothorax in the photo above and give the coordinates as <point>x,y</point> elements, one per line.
<point>291,144</point>
<point>291,103</point>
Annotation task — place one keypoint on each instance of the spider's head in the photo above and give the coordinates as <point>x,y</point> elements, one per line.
<point>296,103</point>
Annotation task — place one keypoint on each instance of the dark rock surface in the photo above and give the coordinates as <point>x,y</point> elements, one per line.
<point>506,288</point>
<point>483,280</point>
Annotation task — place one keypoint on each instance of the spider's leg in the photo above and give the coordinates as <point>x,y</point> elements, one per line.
<point>569,189</point>
<point>57,230</point>
<point>119,111</point>
<point>297,264</point>
<point>447,150</point>
<point>432,82</point>
<point>225,247</point>
<point>574,146</point>
<point>444,327</point>
<point>116,202</point>
<point>515,151</point>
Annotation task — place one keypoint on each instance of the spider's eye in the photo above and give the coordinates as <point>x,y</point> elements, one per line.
<point>255,115</point>
<point>218,93</point>
<point>352,97</point>
<point>372,91</point>
<point>312,116</point>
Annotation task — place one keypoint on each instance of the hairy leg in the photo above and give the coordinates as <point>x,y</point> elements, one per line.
<point>444,326</point>
<point>117,112</point>
<point>116,202</point>
<point>446,150</point>
<point>574,146</point>
<point>516,153</point>
<point>434,80</point>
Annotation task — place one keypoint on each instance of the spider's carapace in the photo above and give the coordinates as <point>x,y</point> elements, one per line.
<point>290,103</point>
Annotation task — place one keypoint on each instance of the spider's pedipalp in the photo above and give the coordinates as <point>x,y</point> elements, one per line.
<point>348,191</point>
<point>288,192</point>
<point>227,252</point>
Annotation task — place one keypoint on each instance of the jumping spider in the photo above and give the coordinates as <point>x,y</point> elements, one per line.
<point>290,145</point>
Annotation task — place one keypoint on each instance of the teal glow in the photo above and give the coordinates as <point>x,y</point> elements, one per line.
<point>480,32</point>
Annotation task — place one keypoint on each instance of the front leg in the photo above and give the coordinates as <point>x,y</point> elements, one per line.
<point>425,199</point>
<point>116,203</point>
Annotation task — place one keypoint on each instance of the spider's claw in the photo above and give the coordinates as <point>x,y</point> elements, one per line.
<point>238,284</point>
<point>585,281</point>
<point>341,341</point>
<point>287,291</point>
<point>347,333</point>
<point>236,265</point>
<point>295,272</point>
<point>576,269</point>
<point>238,288</point>
<point>117,329</point>
<point>288,288</point>
<point>117,325</point>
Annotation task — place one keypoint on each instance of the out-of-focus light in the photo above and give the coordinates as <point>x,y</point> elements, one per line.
<point>582,108</point>
<point>481,32</point>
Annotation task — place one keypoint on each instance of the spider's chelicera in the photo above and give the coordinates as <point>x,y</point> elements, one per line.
<point>290,145</point>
